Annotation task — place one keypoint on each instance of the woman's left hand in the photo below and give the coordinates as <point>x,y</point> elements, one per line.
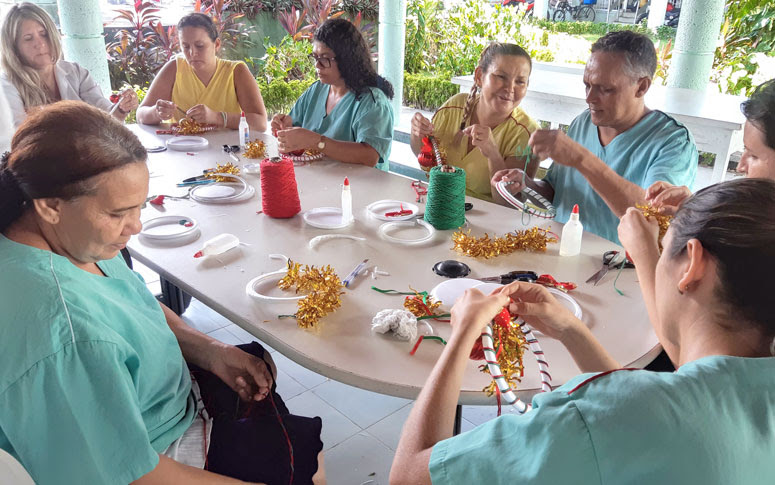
<point>296,138</point>
<point>128,101</point>
<point>638,235</point>
<point>474,310</point>
<point>481,137</point>
<point>204,115</point>
<point>245,374</point>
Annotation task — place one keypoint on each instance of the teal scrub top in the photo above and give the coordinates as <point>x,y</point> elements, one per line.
<point>656,148</point>
<point>710,422</point>
<point>366,120</point>
<point>93,384</point>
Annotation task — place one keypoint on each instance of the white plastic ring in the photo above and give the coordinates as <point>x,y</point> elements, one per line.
<point>539,206</point>
<point>384,228</point>
<point>488,345</point>
<point>245,188</point>
<point>250,289</point>
<point>573,303</point>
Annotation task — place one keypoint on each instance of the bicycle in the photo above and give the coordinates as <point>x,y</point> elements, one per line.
<point>581,12</point>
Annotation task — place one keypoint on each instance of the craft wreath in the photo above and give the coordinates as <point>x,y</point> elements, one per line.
<point>322,286</point>
<point>534,203</point>
<point>245,188</point>
<point>222,172</point>
<point>305,156</point>
<point>504,362</point>
<point>533,239</point>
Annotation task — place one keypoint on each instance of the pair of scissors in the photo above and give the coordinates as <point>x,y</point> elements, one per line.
<point>611,259</point>
<point>511,276</point>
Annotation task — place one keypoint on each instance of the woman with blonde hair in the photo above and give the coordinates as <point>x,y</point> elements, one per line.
<point>34,73</point>
<point>201,86</point>
<point>486,130</point>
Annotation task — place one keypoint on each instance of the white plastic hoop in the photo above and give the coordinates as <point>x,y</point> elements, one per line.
<point>303,158</point>
<point>384,228</point>
<point>495,369</point>
<point>220,200</point>
<point>250,289</point>
<point>535,203</point>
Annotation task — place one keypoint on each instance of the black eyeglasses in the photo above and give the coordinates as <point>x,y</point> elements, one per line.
<point>323,61</point>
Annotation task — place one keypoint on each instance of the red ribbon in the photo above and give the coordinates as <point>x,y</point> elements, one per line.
<point>548,280</point>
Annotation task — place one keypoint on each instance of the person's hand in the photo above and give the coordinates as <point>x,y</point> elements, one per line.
<point>540,309</point>
<point>473,311</point>
<point>558,146</point>
<point>481,137</point>
<point>639,235</point>
<point>293,139</point>
<point>513,175</point>
<point>165,110</point>
<point>128,100</point>
<point>421,126</point>
<point>280,122</point>
<point>204,115</point>
<point>245,374</point>
<point>667,197</point>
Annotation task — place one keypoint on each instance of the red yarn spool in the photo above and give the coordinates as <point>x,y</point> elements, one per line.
<point>279,194</point>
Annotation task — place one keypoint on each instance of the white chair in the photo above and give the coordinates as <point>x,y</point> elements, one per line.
<point>12,472</point>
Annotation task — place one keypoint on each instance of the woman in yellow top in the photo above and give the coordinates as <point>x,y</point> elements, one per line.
<point>207,89</point>
<point>486,130</point>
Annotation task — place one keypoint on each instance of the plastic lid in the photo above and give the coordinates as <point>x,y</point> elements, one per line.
<point>346,182</point>
<point>575,208</point>
<point>242,114</point>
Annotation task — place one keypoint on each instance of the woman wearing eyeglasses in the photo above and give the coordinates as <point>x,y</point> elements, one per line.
<point>346,114</point>
<point>201,86</point>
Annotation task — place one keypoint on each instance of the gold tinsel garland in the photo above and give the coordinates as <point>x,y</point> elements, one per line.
<point>421,304</point>
<point>533,239</point>
<point>255,149</point>
<point>187,126</point>
<point>510,345</point>
<point>323,287</point>
<point>662,219</point>
<point>223,168</point>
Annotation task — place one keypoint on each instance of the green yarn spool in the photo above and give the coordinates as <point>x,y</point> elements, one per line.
<point>446,206</point>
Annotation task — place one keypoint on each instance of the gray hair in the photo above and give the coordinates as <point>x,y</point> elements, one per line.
<point>25,78</point>
<point>640,56</point>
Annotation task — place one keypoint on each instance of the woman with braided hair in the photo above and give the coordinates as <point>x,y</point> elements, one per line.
<point>486,130</point>
<point>346,114</point>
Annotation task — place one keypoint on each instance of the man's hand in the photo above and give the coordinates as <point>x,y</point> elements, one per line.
<point>558,146</point>
<point>667,197</point>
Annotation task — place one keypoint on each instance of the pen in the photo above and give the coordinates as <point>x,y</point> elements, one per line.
<point>354,273</point>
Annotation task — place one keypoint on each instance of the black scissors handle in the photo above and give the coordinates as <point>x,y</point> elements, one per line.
<point>609,256</point>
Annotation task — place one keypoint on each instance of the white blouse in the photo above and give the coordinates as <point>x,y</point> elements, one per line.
<point>74,83</point>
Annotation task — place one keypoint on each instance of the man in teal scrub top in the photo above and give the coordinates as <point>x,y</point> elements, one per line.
<point>347,113</point>
<point>616,148</point>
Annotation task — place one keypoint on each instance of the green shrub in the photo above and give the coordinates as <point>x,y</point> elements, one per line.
<point>665,32</point>
<point>589,28</point>
<point>288,60</point>
<point>280,95</point>
<point>428,91</point>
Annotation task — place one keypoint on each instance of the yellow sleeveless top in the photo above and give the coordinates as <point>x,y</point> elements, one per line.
<point>219,95</point>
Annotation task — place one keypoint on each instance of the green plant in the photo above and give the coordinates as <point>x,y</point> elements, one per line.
<point>589,28</point>
<point>289,60</point>
<point>369,9</point>
<point>749,28</point>
<point>665,33</point>
<point>279,96</point>
<point>136,54</point>
<point>664,56</point>
<point>231,31</point>
<point>428,91</point>
<point>422,27</point>
<point>141,92</point>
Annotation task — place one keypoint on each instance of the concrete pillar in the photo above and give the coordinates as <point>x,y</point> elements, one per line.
<point>657,13</point>
<point>695,43</point>
<point>82,38</point>
<point>392,27</point>
<point>540,9</point>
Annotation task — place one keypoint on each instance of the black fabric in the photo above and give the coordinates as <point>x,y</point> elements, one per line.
<point>247,440</point>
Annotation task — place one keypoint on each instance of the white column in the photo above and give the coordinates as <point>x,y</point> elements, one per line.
<point>392,27</point>
<point>695,43</point>
<point>657,13</point>
<point>541,9</point>
<point>82,38</point>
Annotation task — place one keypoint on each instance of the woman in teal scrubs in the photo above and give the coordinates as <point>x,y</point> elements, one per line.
<point>347,113</point>
<point>710,421</point>
<point>94,382</point>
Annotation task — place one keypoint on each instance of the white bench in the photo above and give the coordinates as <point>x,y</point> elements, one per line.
<point>556,94</point>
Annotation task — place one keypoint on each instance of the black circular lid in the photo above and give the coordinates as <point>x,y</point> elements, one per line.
<point>451,269</point>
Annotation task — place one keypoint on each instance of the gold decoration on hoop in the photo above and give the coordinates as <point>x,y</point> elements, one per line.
<point>662,219</point>
<point>421,304</point>
<point>223,168</point>
<point>510,345</point>
<point>255,149</point>
<point>323,287</point>
<point>187,126</point>
<point>533,239</point>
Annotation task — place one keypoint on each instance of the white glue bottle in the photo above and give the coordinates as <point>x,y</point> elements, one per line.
<point>347,202</point>
<point>244,131</point>
<point>570,242</point>
<point>218,245</point>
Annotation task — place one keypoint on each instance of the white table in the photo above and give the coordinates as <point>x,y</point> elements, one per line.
<point>714,119</point>
<point>343,346</point>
